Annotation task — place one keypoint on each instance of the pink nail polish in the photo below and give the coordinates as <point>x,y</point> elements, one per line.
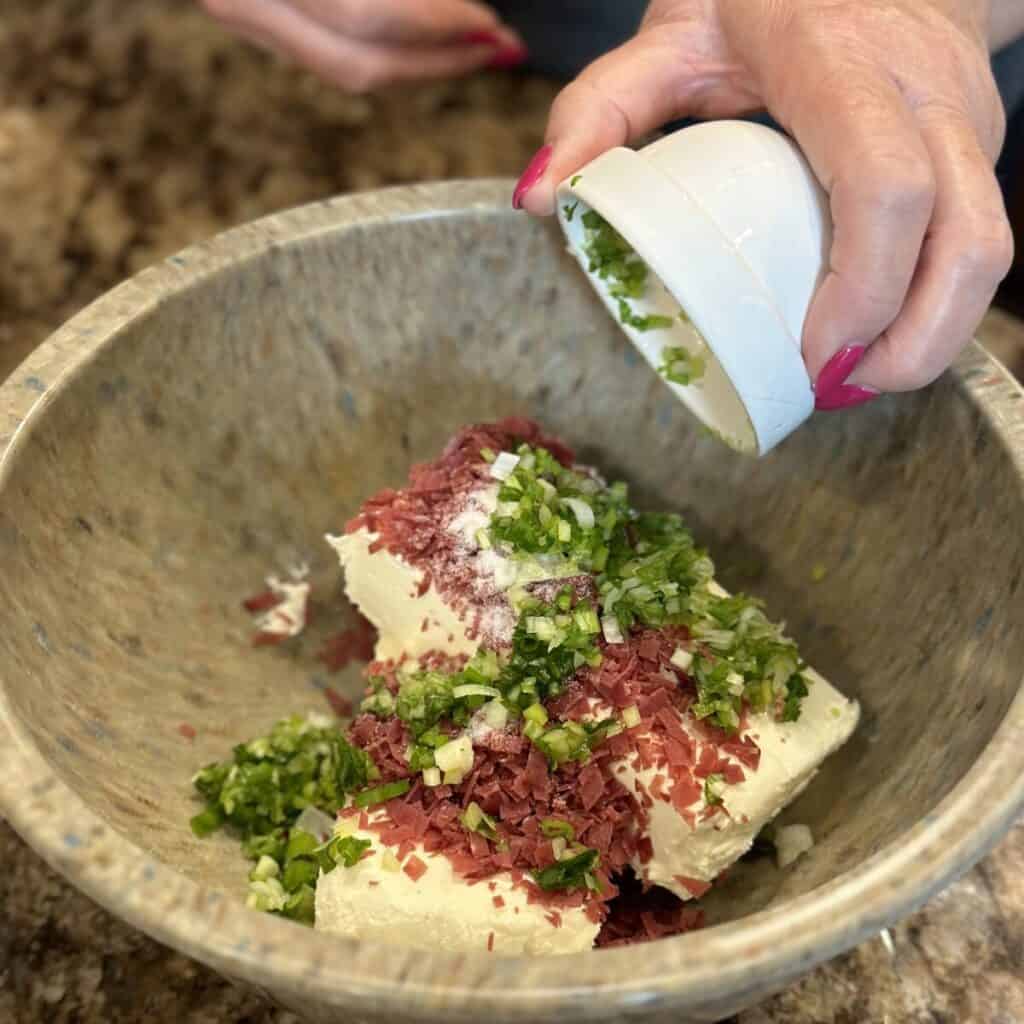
<point>838,368</point>
<point>508,57</point>
<point>844,396</point>
<point>482,37</point>
<point>534,172</point>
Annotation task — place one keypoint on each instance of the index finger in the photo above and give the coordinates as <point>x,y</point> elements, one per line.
<point>623,95</point>
<point>401,22</point>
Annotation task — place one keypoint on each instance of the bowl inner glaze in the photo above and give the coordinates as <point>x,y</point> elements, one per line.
<point>218,435</point>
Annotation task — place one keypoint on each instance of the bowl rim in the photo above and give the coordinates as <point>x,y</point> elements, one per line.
<point>719,967</point>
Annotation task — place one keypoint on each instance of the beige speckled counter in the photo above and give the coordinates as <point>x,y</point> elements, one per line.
<point>127,131</point>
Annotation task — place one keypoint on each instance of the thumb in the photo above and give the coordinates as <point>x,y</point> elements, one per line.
<point>622,96</point>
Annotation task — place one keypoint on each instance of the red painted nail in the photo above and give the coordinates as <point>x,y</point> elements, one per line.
<point>838,368</point>
<point>844,396</point>
<point>508,57</point>
<point>534,172</point>
<point>482,37</point>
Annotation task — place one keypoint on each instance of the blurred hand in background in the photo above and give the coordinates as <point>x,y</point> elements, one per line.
<point>362,45</point>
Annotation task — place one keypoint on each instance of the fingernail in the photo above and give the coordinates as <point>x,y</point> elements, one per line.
<point>844,396</point>
<point>482,37</point>
<point>534,172</point>
<point>838,368</point>
<point>509,57</point>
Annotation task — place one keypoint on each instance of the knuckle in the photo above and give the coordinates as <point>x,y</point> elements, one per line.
<point>985,254</point>
<point>899,186</point>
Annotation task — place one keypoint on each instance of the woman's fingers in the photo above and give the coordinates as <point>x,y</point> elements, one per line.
<point>352,64</point>
<point>866,149</point>
<point>968,251</point>
<point>415,23</point>
<point>627,93</point>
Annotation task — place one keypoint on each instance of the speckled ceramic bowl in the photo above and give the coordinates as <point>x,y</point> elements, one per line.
<point>208,421</point>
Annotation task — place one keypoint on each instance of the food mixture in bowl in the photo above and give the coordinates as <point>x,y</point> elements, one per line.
<point>570,730</point>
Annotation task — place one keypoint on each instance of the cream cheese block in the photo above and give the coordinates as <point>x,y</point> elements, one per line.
<point>694,846</point>
<point>410,620</point>
<point>377,901</point>
<point>413,619</point>
<point>791,754</point>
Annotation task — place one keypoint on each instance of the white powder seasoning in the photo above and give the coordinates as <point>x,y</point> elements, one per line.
<point>494,573</point>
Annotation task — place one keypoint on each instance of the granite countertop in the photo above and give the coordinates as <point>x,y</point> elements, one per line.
<point>130,130</point>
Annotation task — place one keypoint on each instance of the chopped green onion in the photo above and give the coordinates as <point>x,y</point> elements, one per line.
<point>456,756</point>
<point>570,873</point>
<point>266,895</point>
<point>273,779</point>
<point>568,741</point>
<point>713,789</point>
<point>681,366</point>
<point>536,713</point>
<point>266,867</point>
<point>346,851</point>
<point>493,715</point>
<point>381,794</point>
<point>207,822</point>
<point>431,777</point>
<point>474,690</point>
<point>582,511</point>
<point>554,828</point>
<point>475,819</point>
<point>611,630</point>
<point>650,322</point>
<point>631,717</point>
<point>504,465</point>
<point>796,690</point>
<point>300,844</point>
<point>682,659</point>
<point>301,905</point>
<point>298,873</point>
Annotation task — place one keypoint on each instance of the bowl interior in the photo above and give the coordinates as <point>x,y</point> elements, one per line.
<point>218,437</point>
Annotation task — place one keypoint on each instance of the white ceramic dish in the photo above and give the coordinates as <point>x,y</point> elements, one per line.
<point>735,230</point>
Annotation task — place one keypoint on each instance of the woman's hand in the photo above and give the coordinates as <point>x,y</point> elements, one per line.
<point>893,103</point>
<point>361,45</point>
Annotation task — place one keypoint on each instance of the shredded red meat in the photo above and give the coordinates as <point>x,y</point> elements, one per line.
<point>639,915</point>
<point>414,868</point>
<point>694,886</point>
<point>412,522</point>
<point>262,639</point>
<point>353,644</point>
<point>262,602</point>
<point>514,785</point>
<point>340,705</point>
<point>512,782</point>
<point>187,731</point>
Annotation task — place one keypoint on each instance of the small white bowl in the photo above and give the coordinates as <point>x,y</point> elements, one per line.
<point>735,231</point>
